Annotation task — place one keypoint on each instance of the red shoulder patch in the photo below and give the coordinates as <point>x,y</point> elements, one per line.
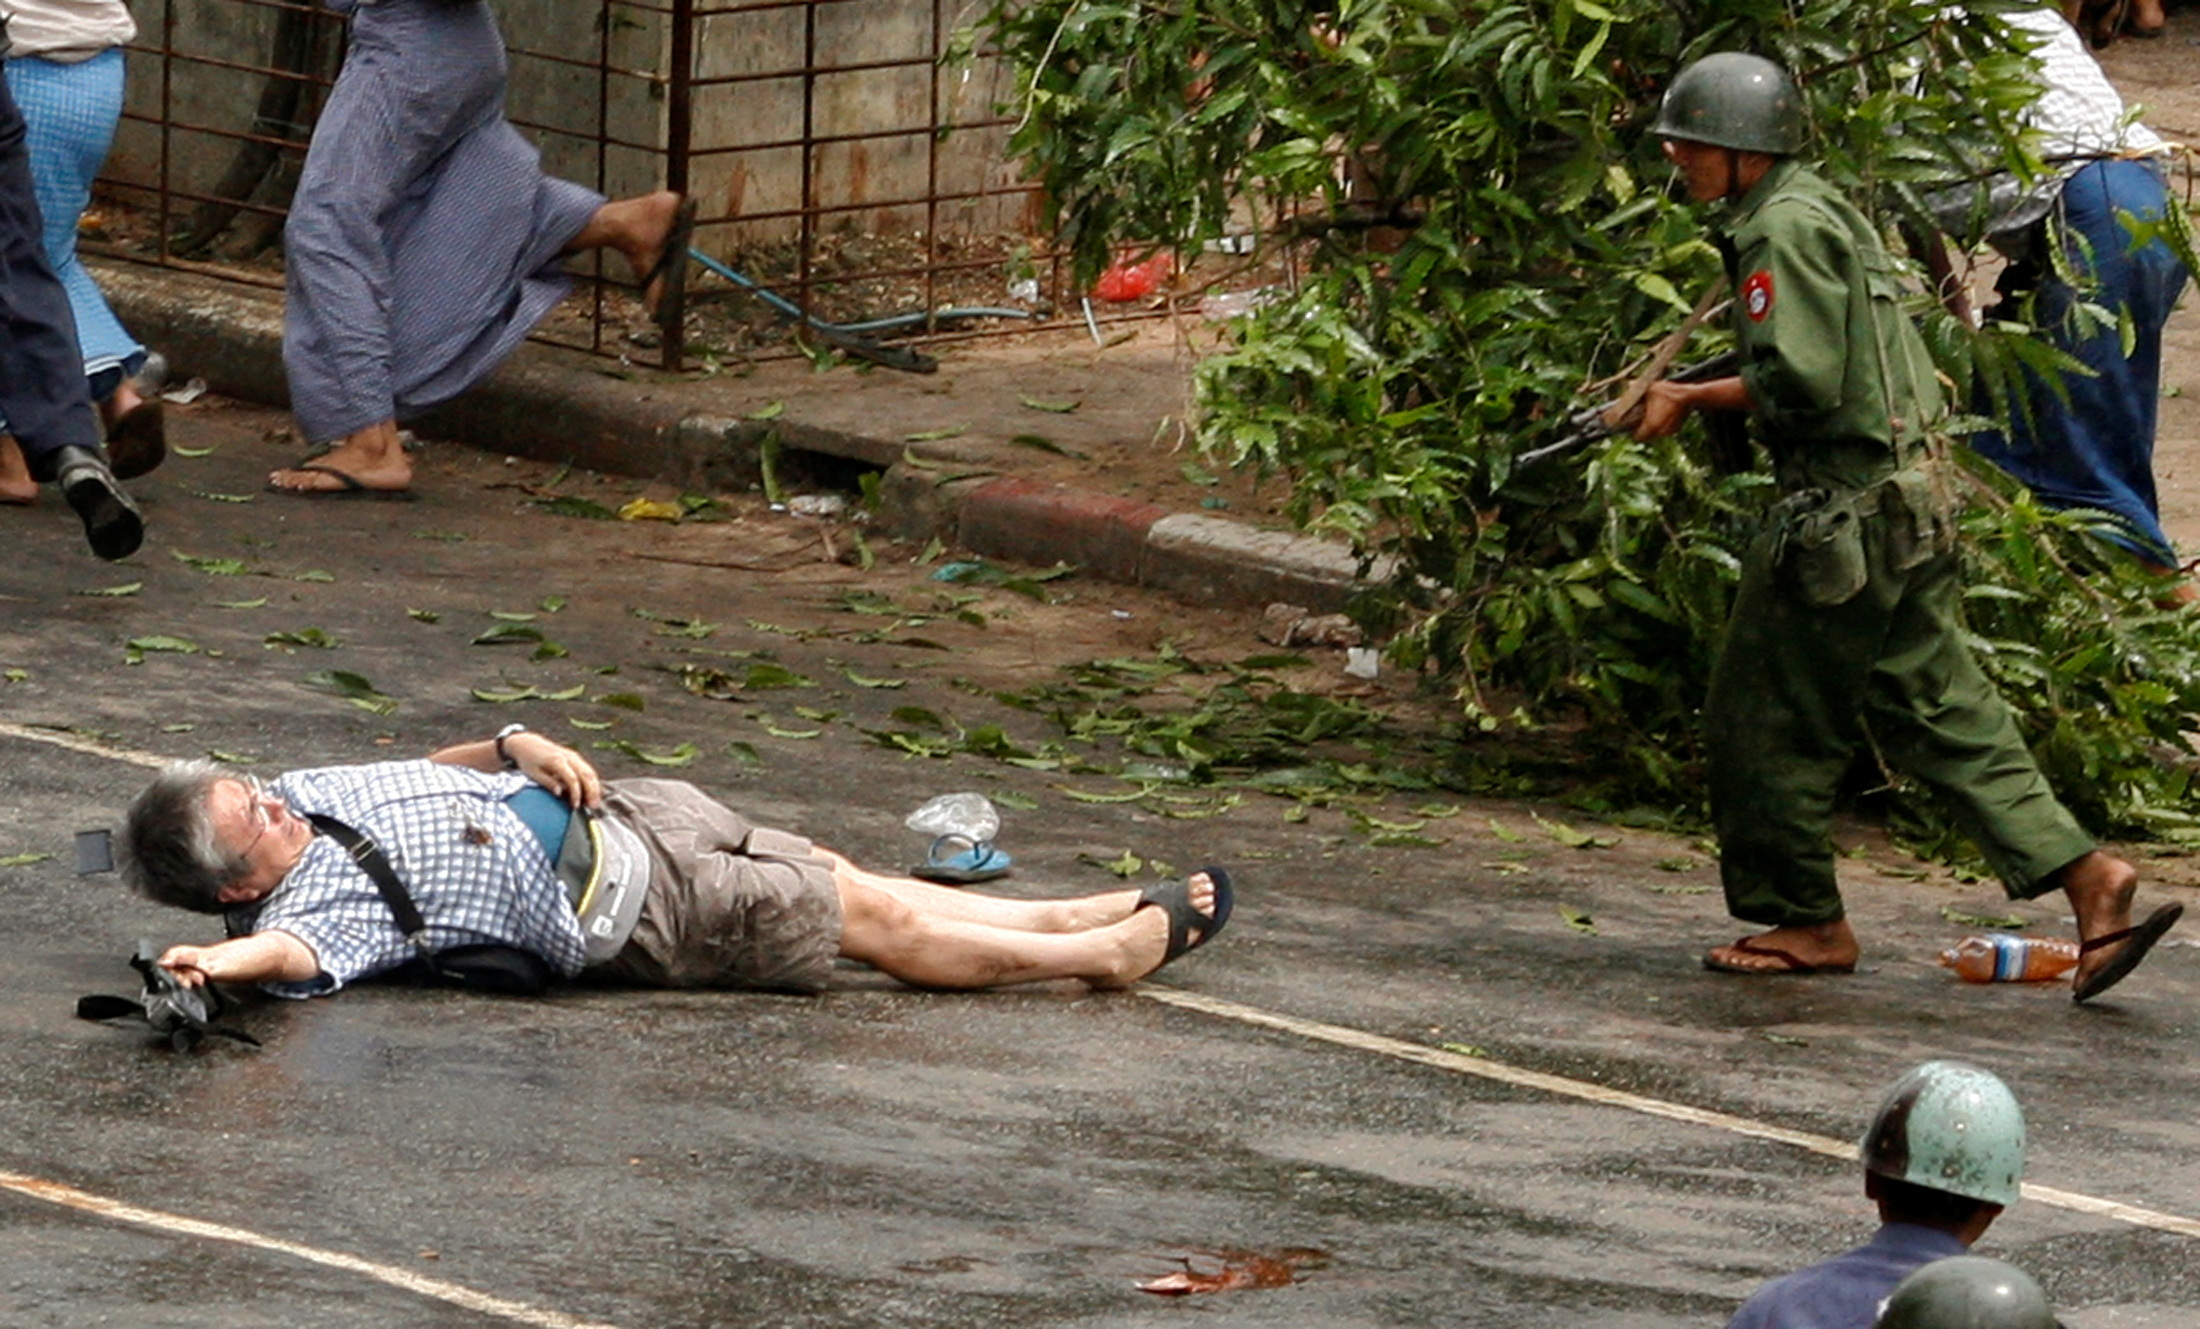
<point>1757,295</point>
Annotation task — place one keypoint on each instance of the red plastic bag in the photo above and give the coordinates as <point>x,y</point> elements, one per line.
<point>1126,281</point>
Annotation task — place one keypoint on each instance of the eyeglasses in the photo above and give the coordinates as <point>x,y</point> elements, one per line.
<point>263,820</point>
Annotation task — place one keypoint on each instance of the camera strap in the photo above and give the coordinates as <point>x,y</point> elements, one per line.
<point>509,970</point>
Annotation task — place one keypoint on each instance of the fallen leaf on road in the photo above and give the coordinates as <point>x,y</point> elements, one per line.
<point>1578,920</point>
<point>1231,1271</point>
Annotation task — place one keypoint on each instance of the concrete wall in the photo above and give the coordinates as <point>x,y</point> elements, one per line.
<point>564,107</point>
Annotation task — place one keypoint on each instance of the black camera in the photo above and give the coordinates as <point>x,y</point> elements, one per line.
<point>179,1014</point>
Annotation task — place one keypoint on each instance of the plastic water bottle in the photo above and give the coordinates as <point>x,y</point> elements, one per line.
<point>1997,957</point>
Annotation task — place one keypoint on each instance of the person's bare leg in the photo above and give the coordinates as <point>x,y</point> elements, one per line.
<point>637,227</point>
<point>374,456</point>
<point>1071,915</point>
<point>930,950</point>
<point>2146,17</point>
<point>16,485</point>
<point>2100,888</point>
<point>1816,945</point>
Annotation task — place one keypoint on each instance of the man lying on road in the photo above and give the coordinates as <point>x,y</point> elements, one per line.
<point>516,842</point>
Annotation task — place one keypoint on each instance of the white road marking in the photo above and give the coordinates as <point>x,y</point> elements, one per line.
<point>518,1312</point>
<point>1589,1092</point>
<point>74,742</point>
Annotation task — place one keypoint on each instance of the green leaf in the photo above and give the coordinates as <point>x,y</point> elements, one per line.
<point>1577,919</point>
<point>1081,796</point>
<point>353,688</point>
<point>934,435</point>
<point>763,676</point>
<point>573,505</point>
<point>863,681</point>
<point>1464,1049</point>
<point>214,567</point>
<point>1128,865</point>
<point>578,723</point>
<point>776,732</point>
<point>216,496</point>
<point>1010,799</point>
<point>316,638</point>
<point>115,592</point>
<point>625,701</point>
<point>424,615</point>
<point>769,411</point>
<point>678,756</point>
<point>508,634</point>
<point>1034,403</point>
<point>314,574</point>
<point>192,453</point>
<point>22,860</point>
<point>1573,839</point>
<point>551,604</point>
<point>512,616</point>
<point>241,604</point>
<point>137,648</point>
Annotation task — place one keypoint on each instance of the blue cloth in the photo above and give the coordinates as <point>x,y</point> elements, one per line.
<point>473,868</point>
<point>424,241</point>
<point>42,392</point>
<point>71,111</point>
<point>1846,1291</point>
<point>2097,450</point>
<point>545,814</point>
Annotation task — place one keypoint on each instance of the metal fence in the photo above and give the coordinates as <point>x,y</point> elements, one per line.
<point>838,160</point>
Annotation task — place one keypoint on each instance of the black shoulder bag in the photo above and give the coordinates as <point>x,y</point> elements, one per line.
<point>505,970</point>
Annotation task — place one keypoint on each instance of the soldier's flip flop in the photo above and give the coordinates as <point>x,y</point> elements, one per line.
<point>2139,940</point>
<point>1790,963</point>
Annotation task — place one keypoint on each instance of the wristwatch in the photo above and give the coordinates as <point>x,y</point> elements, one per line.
<point>502,734</point>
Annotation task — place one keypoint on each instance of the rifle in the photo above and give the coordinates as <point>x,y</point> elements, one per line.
<point>1595,423</point>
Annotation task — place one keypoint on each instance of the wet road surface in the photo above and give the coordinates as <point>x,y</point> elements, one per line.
<point>878,1156</point>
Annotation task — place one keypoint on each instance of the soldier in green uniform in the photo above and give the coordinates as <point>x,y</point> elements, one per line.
<point>1847,613</point>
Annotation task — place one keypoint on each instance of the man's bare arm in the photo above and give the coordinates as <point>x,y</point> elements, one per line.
<point>273,956</point>
<point>544,760</point>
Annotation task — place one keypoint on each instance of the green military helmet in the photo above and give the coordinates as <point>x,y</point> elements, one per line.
<point>1949,1127</point>
<point>1734,100</point>
<point>1967,1292</point>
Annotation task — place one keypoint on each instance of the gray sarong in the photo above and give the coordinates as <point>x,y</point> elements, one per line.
<point>731,904</point>
<point>424,241</point>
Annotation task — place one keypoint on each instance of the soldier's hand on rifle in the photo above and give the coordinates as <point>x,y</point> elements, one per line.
<point>1667,405</point>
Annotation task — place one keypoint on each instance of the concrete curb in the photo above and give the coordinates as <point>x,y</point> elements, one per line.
<point>555,405</point>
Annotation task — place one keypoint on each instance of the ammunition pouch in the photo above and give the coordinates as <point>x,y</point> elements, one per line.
<point>1820,542</point>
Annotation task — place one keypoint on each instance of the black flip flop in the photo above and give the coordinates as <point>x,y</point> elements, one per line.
<point>1175,896</point>
<point>352,487</point>
<point>2138,941</point>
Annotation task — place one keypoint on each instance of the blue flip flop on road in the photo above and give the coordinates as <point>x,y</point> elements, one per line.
<point>977,860</point>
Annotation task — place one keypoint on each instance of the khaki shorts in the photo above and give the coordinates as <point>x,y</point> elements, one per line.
<point>731,904</point>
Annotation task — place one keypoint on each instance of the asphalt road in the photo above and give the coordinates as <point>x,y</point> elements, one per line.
<point>1616,1139</point>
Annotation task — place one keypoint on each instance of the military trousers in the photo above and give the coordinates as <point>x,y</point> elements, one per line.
<point>1792,694</point>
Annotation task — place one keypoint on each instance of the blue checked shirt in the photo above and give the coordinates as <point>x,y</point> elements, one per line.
<point>474,870</point>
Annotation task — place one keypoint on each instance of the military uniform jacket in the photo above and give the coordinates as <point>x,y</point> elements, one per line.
<point>1841,381</point>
